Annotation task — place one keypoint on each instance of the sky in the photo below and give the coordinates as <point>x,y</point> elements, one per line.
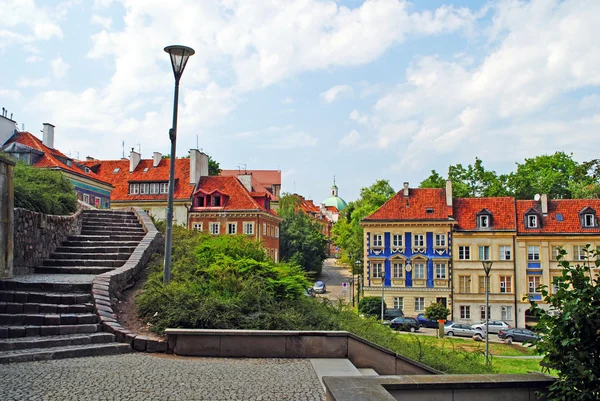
<point>359,90</point>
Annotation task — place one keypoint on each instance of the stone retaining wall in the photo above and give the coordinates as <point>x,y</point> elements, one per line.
<point>7,192</point>
<point>107,287</point>
<point>37,235</point>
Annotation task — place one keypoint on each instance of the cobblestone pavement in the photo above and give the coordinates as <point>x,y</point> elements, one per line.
<point>139,376</point>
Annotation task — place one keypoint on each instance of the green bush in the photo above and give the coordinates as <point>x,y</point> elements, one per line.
<point>437,311</point>
<point>371,306</point>
<point>43,190</point>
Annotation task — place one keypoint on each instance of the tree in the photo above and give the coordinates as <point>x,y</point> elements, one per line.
<point>433,181</point>
<point>570,336</point>
<point>371,306</point>
<point>436,311</point>
<point>301,239</point>
<point>214,168</point>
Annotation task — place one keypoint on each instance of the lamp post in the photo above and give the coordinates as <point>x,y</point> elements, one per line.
<point>179,57</point>
<point>382,288</point>
<point>487,267</point>
<point>357,265</point>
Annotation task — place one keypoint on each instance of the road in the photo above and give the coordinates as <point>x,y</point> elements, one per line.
<point>334,276</point>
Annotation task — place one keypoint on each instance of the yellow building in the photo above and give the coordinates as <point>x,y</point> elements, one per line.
<point>407,244</point>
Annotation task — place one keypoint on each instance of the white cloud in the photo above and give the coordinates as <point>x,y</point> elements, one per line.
<point>14,95</point>
<point>335,92</point>
<point>24,82</point>
<point>26,23</point>
<point>362,119</point>
<point>350,139</point>
<point>33,59</point>
<point>287,100</point>
<point>104,22</point>
<point>59,68</point>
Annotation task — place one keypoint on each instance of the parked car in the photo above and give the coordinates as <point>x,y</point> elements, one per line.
<point>309,292</point>
<point>319,287</point>
<point>458,329</point>
<point>390,314</point>
<point>494,326</point>
<point>405,323</point>
<point>519,335</point>
<point>425,322</point>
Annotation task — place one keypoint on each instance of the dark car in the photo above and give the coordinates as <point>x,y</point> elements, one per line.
<point>519,335</point>
<point>390,314</point>
<point>424,322</point>
<point>405,323</point>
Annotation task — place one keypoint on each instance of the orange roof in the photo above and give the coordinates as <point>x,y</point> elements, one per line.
<point>332,209</point>
<point>421,204</point>
<point>266,177</point>
<point>122,178</point>
<point>562,217</point>
<point>52,157</point>
<point>501,208</point>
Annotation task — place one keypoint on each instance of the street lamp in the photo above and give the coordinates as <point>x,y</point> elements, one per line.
<point>357,269</point>
<point>487,267</point>
<point>179,57</point>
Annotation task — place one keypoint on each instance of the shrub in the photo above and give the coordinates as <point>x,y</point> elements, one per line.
<point>436,311</point>
<point>371,306</point>
<point>43,190</point>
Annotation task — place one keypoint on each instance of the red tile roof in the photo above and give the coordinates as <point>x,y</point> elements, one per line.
<point>568,209</point>
<point>399,208</point>
<point>332,209</point>
<point>51,157</point>
<point>120,180</point>
<point>265,177</point>
<point>239,197</point>
<point>502,209</point>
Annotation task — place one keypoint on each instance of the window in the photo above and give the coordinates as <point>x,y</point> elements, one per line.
<point>481,282</point>
<point>264,229</point>
<point>115,171</point>
<point>86,198</point>
<point>534,283</point>
<point>377,240</point>
<point>440,270</point>
<point>464,252</point>
<point>484,221</point>
<point>589,220</point>
<point>134,189</point>
<point>419,304</point>
<point>276,232</point>
<point>482,312</point>
<point>429,210</point>
<point>216,201</point>
<point>97,202</point>
<point>146,170</point>
<point>144,188</point>
<point>507,312</point>
<point>505,251</point>
<point>419,271</point>
<point>533,252</point>
<point>200,201</point>
<point>398,303</point>
<point>276,256</point>
<point>465,312</point>
<point>555,285</point>
<point>214,228</point>
<point>464,284</point>
<point>579,252</point>
<point>397,269</point>
<point>164,188</point>
<point>440,240</point>
<point>231,228</point>
<point>197,226</point>
<point>484,252</point>
<point>505,284</point>
<point>377,269</point>
<point>532,221</point>
<point>397,240</point>
<point>419,240</point>
<point>154,188</point>
<point>248,228</point>
<point>555,251</point>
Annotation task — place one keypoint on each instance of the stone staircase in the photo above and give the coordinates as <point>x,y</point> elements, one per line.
<point>50,314</point>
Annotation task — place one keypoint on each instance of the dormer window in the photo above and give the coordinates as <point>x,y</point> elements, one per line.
<point>200,201</point>
<point>587,218</point>
<point>216,201</point>
<point>484,219</point>
<point>532,221</point>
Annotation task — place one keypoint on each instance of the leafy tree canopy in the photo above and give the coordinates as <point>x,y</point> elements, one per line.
<point>371,306</point>
<point>436,311</point>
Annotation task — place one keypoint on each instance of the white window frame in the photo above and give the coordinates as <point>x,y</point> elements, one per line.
<point>144,188</point>
<point>419,270</point>
<point>464,252</point>
<point>399,303</point>
<point>464,284</point>
<point>264,229</point>
<point>197,226</point>
<point>440,240</point>
<point>555,251</point>
<point>506,312</point>
<point>397,240</point>
<point>154,188</point>
<point>482,312</point>
<point>276,256</point>
<point>419,240</point>
<point>397,269</point>
<point>134,189</point>
<point>440,271</point>
<point>86,198</point>
<point>579,252</point>
<point>465,312</point>
<point>164,187</point>
<point>533,252</point>
<point>505,252</point>
<point>484,221</point>
<point>230,225</point>
<point>532,221</point>
<point>533,282</point>
<point>505,284</point>
<point>419,304</point>
<point>591,222</point>
<point>215,228</point>
<point>377,269</point>
<point>248,228</point>
<point>377,240</point>
<point>485,252</point>
<point>276,232</point>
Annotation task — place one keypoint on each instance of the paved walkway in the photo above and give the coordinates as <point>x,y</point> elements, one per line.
<point>140,376</point>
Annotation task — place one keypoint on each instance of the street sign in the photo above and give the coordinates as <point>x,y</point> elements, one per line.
<point>345,285</point>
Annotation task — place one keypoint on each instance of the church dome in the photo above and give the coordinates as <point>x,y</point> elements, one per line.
<point>335,200</point>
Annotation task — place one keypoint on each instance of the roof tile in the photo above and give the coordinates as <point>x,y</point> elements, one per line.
<point>415,207</point>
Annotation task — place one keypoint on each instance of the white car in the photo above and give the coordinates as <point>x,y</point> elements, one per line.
<point>458,329</point>
<point>494,326</point>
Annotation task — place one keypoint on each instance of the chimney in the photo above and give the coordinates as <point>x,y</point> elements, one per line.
<point>48,138</point>
<point>156,158</point>
<point>198,165</point>
<point>322,207</point>
<point>544,201</point>
<point>89,158</point>
<point>406,189</point>
<point>134,160</point>
<point>246,180</point>
<point>448,193</point>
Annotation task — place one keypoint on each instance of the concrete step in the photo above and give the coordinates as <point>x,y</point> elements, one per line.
<point>101,243</point>
<point>50,282</point>
<point>73,269</point>
<point>17,331</point>
<point>107,213</point>
<point>93,221</point>
<point>111,232</point>
<point>72,351</point>
<point>333,367</point>
<point>54,298</point>
<point>47,319</point>
<point>13,344</point>
<point>367,372</point>
<point>90,255</point>
<point>112,227</point>
<point>96,249</point>
<point>97,238</point>
<point>36,307</point>
<point>83,262</point>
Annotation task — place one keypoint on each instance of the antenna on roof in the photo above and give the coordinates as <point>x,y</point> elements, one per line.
<point>22,126</point>
<point>123,150</point>
<point>196,141</point>
<point>139,148</point>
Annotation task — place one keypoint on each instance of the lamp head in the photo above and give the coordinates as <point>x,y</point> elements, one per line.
<point>487,266</point>
<point>179,58</point>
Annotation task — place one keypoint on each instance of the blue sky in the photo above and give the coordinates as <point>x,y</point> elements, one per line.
<point>361,90</point>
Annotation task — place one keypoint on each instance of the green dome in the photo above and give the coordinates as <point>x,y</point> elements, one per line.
<point>336,201</point>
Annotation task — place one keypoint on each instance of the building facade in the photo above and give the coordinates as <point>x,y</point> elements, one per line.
<point>269,179</point>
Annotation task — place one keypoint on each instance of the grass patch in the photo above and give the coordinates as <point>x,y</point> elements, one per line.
<point>522,366</point>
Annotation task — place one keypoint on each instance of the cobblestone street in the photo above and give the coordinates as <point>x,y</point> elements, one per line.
<point>139,376</point>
